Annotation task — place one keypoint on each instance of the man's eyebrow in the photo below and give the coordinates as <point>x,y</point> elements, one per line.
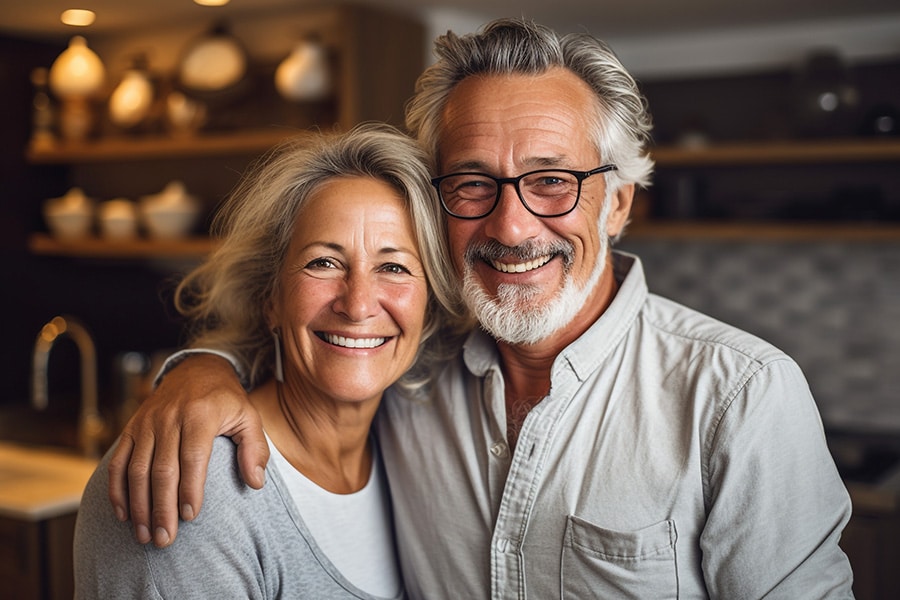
<point>547,161</point>
<point>469,165</point>
<point>535,162</point>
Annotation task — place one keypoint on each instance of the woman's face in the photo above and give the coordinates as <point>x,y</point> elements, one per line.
<point>352,292</point>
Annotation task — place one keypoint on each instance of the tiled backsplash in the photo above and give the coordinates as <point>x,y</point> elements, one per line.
<point>834,307</point>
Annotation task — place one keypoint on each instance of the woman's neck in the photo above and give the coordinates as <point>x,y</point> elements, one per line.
<point>325,440</point>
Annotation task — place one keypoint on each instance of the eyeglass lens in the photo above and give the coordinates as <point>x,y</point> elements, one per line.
<point>544,193</point>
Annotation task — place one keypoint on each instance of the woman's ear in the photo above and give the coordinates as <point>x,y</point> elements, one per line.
<point>272,321</point>
<point>621,208</point>
<point>273,315</point>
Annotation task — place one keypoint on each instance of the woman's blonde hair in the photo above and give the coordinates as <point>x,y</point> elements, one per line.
<point>226,298</point>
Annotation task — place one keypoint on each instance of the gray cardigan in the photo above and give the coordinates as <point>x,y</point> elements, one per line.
<point>245,543</point>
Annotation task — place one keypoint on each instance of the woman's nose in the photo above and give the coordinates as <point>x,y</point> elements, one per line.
<point>359,298</point>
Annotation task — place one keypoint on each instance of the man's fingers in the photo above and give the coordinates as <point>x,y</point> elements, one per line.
<point>197,443</point>
<point>153,485</point>
<point>139,496</point>
<point>118,476</point>
<point>253,450</point>
<point>158,470</point>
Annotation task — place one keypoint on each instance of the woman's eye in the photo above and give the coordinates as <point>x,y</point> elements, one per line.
<point>321,263</point>
<point>395,268</point>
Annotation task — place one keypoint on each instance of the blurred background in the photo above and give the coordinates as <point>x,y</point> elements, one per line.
<point>775,205</point>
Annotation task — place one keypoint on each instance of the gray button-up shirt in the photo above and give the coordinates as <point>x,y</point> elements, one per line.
<point>675,457</point>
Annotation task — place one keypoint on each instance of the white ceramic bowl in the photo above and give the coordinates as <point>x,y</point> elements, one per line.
<point>118,219</point>
<point>168,222</point>
<point>69,217</point>
<point>69,225</point>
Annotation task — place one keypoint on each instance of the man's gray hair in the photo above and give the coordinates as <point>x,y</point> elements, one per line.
<point>513,46</point>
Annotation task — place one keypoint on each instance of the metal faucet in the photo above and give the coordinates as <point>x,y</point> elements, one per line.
<point>91,427</point>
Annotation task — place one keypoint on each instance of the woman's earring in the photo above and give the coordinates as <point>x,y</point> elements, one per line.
<point>279,366</point>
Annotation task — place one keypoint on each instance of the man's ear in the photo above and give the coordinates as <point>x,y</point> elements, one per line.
<point>621,208</point>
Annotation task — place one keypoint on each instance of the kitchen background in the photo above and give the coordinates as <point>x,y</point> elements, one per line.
<point>776,203</point>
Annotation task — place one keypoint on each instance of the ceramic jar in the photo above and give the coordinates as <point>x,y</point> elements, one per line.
<point>304,75</point>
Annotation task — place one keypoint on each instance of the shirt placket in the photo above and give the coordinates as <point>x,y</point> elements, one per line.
<point>522,483</point>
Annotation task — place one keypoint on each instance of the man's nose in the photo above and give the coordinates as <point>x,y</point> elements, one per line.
<point>510,223</point>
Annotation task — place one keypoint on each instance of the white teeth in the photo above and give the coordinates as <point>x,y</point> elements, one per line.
<point>521,267</point>
<point>339,340</point>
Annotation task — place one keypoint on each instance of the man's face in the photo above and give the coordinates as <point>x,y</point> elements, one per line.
<point>518,263</point>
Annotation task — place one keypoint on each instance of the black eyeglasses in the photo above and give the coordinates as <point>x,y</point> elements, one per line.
<point>545,193</point>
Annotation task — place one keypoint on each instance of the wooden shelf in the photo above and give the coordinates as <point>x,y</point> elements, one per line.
<point>764,231</point>
<point>193,248</point>
<point>782,152</point>
<point>150,147</point>
<point>197,248</point>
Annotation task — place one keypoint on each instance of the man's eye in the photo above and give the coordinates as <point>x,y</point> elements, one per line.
<point>473,189</point>
<point>472,183</point>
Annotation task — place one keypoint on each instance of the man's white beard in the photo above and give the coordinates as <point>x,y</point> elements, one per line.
<point>515,317</point>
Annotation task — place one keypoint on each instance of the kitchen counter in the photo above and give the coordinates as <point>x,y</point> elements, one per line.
<point>38,484</point>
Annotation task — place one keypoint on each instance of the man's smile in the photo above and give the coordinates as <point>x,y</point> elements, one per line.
<point>521,267</point>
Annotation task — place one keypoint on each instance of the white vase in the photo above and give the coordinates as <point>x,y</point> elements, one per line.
<point>77,71</point>
<point>132,99</point>
<point>75,77</point>
<point>183,114</point>
<point>304,75</point>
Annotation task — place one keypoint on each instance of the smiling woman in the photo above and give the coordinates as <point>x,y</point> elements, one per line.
<point>350,299</point>
<point>329,282</point>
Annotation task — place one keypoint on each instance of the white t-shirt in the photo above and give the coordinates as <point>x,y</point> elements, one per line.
<point>355,531</point>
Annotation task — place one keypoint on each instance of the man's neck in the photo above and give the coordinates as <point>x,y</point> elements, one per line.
<point>527,368</point>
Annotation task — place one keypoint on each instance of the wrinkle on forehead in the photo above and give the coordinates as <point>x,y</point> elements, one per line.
<point>504,124</point>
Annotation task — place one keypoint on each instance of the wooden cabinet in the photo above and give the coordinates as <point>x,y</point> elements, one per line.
<point>375,56</point>
<point>36,558</point>
<point>870,542</point>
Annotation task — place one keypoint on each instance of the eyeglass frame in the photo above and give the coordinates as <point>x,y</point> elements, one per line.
<point>580,176</point>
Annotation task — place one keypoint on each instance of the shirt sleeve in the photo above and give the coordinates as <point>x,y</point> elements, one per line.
<point>776,503</point>
<point>173,360</point>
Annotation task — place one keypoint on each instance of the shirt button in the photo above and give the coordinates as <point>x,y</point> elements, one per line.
<point>500,449</point>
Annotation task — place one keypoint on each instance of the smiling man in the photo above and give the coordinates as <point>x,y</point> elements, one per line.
<point>592,439</point>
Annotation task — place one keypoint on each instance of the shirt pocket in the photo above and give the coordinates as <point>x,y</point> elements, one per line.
<point>602,563</point>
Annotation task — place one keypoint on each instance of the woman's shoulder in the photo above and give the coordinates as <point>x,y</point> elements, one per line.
<point>225,490</point>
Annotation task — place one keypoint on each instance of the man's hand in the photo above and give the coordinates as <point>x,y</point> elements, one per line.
<point>171,435</point>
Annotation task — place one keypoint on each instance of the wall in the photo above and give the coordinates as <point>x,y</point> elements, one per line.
<point>722,51</point>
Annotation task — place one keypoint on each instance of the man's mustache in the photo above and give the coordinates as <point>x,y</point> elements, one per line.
<point>492,250</point>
